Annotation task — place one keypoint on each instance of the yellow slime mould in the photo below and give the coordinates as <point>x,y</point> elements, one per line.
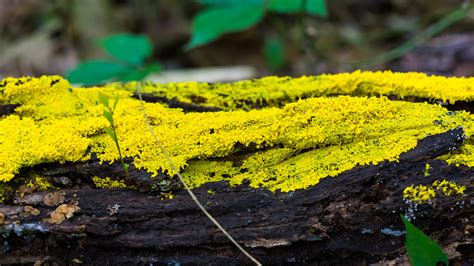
<point>281,148</point>
<point>276,91</point>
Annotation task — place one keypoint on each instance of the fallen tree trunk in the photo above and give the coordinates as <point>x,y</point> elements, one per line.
<point>350,219</point>
<point>318,181</point>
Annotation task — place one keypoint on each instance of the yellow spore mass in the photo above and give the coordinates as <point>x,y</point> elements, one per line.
<point>277,91</point>
<point>422,194</point>
<point>419,194</point>
<point>281,148</point>
<point>107,182</point>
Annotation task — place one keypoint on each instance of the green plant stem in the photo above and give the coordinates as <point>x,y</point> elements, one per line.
<point>125,168</point>
<point>194,198</point>
<point>112,125</point>
<point>426,34</point>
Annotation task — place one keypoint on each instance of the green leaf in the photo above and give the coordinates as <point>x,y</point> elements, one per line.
<point>231,2</point>
<point>111,133</point>
<point>129,48</point>
<point>116,101</point>
<point>317,7</point>
<point>421,249</point>
<point>109,117</point>
<point>141,74</point>
<point>104,99</point>
<point>313,7</point>
<point>211,23</point>
<point>274,52</point>
<point>95,72</point>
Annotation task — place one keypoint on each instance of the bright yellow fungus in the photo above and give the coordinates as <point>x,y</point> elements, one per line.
<point>276,91</point>
<point>419,194</point>
<point>40,183</point>
<point>423,194</point>
<point>448,188</point>
<point>287,148</point>
<point>106,182</point>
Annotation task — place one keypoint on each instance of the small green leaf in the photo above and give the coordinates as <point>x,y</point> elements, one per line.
<point>210,24</point>
<point>104,99</point>
<point>116,101</point>
<point>313,7</point>
<point>317,7</point>
<point>232,2</point>
<point>111,133</point>
<point>109,117</point>
<point>95,71</point>
<point>274,52</point>
<point>129,48</point>
<point>421,249</point>
<point>141,74</point>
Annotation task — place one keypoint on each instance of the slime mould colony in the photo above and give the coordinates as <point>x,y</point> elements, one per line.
<point>296,138</point>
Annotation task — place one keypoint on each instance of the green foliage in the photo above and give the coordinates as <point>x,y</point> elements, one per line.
<point>129,53</point>
<point>132,49</point>
<point>211,23</point>
<point>95,71</point>
<point>312,7</point>
<point>274,51</point>
<point>225,16</point>
<point>109,115</point>
<point>421,249</point>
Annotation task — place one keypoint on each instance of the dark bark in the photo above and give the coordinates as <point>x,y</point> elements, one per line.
<point>6,109</point>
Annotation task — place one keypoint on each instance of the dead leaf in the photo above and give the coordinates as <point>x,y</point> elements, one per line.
<point>31,210</point>
<point>2,218</point>
<point>63,212</point>
<point>53,199</point>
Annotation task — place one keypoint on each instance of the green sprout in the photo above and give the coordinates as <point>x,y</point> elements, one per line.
<point>128,54</point>
<point>111,131</point>
<point>239,15</point>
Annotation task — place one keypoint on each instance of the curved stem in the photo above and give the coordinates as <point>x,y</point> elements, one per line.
<point>195,199</point>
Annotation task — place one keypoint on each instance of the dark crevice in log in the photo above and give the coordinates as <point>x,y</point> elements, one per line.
<point>7,109</point>
<point>339,221</point>
<point>174,103</point>
<point>196,107</point>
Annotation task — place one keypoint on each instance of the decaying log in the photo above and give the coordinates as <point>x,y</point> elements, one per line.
<point>352,219</point>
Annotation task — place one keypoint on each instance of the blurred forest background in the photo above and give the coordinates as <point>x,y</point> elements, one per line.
<point>52,36</point>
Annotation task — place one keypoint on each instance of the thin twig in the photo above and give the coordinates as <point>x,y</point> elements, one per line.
<point>175,169</point>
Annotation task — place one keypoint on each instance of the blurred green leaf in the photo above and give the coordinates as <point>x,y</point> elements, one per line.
<point>231,2</point>
<point>104,99</point>
<point>313,7</point>
<point>129,48</point>
<point>109,117</point>
<point>111,133</point>
<point>142,73</point>
<point>421,249</point>
<point>210,24</point>
<point>95,71</point>
<point>274,52</point>
<point>116,101</point>
<point>317,7</point>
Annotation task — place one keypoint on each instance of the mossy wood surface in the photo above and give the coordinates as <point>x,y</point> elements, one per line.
<point>299,170</point>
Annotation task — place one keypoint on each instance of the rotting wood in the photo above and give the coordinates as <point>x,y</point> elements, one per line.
<point>339,221</point>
